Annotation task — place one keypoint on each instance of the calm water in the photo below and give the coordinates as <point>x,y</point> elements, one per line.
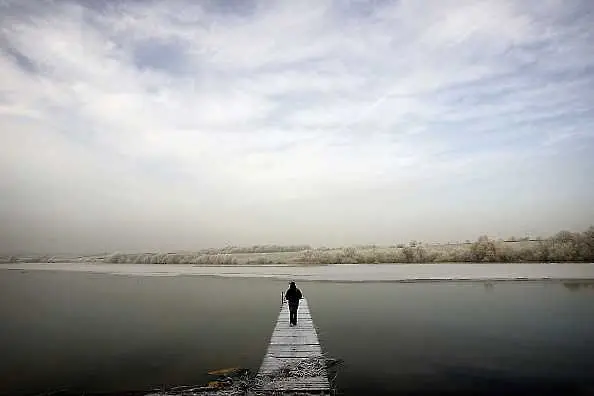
<point>93,333</point>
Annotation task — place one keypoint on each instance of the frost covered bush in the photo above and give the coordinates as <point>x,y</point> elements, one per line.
<point>483,250</point>
<point>115,258</point>
<point>256,249</point>
<point>352,255</point>
<point>562,247</point>
<point>569,246</point>
<point>215,259</point>
<point>171,258</point>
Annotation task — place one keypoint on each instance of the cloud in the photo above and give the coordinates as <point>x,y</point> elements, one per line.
<point>163,125</point>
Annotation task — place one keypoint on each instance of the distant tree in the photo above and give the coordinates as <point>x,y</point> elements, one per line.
<point>483,250</point>
<point>564,237</point>
<point>421,255</point>
<point>114,258</point>
<point>543,251</point>
<point>587,244</point>
<point>409,254</point>
<point>564,246</point>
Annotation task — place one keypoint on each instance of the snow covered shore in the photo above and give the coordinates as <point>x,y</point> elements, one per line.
<point>339,272</point>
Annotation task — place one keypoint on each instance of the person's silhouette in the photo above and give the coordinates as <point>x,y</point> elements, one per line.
<point>293,295</point>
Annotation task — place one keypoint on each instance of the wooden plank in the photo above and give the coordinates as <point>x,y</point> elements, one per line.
<point>285,328</point>
<point>288,346</point>
<point>294,332</point>
<point>303,354</point>
<point>309,337</point>
<point>288,340</point>
<point>300,319</point>
<point>300,316</point>
<point>301,324</point>
<point>293,349</point>
<point>303,384</point>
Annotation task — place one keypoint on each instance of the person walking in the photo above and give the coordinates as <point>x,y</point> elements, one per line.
<point>293,295</point>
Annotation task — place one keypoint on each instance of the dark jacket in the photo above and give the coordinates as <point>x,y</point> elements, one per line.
<point>293,295</point>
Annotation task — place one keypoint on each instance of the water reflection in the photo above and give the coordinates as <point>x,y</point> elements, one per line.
<point>104,333</point>
<point>576,285</point>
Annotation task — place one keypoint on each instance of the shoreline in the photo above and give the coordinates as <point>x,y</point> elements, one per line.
<point>343,273</point>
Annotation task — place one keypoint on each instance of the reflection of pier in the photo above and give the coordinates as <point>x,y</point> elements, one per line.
<point>294,348</point>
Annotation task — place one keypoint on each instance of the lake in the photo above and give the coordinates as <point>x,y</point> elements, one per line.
<point>78,332</point>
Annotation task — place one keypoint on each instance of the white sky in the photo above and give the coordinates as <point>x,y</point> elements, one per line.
<point>165,125</point>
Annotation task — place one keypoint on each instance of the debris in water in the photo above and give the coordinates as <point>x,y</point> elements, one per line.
<point>236,381</point>
<point>225,371</point>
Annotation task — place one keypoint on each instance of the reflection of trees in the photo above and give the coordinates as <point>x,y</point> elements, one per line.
<point>573,286</point>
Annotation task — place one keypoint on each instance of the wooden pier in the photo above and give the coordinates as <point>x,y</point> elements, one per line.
<point>289,345</point>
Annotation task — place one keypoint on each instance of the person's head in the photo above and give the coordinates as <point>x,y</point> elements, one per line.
<point>292,285</point>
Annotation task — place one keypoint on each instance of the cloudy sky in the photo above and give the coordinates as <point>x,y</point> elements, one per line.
<point>164,125</point>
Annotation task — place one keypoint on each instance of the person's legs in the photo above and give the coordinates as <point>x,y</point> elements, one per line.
<point>293,314</point>
<point>290,314</point>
